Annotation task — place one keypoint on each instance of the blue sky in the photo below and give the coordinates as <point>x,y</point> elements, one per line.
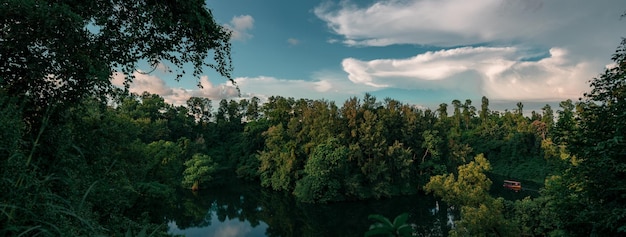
<point>422,52</point>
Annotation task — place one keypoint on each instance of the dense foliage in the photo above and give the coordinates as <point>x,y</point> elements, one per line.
<point>71,164</point>
<point>132,152</point>
<point>80,157</point>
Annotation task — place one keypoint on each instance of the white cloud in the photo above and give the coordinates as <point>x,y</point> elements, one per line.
<point>293,41</point>
<point>496,72</point>
<point>239,26</point>
<point>323,85</point>
<point>580,35</point>
<point>460,22</point>
<point>176,96</point>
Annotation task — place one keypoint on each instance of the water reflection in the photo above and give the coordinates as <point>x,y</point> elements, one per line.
<point>246,210</point>
<point>226,228</point>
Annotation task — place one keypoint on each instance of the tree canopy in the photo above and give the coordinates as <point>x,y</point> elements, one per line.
<point>60,51</point>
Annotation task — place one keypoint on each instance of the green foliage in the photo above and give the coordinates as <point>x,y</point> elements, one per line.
<point>74,166</point>
<point>470,188</point>
<point>592,184</point>
<point>323,174</point>
<point>199,170</point>
<point>481,214</point>
<point>83,158</point>
<point>432,145</point>
<point>73,48</point>
<point>252,142</point>
<point>384,227</point>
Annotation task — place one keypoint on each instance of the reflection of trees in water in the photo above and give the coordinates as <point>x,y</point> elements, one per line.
<point>190,210</point>
<point>430,217</point>
<point>287,217</point>
<point>197,210</point>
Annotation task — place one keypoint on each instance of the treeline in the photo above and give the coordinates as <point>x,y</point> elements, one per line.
<point>105,162</point>
<point>372,149</point>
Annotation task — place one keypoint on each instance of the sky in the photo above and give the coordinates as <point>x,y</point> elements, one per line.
<point>420,52</point>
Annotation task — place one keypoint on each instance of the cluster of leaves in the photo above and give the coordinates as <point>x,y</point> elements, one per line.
<point>384,227</point>
<point>480,213</point>
<point>55,52</point>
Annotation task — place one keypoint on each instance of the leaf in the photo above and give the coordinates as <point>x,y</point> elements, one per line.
<point>405,230</point>
<point>142,233</point>
<point>82,201</point>
<point>400,220</point>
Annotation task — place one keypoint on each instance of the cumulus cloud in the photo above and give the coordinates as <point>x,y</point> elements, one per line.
<point>322,85</point>
<point>239,26</point>
<point>176,96</point>
<point>535,49</point>
<point>459,22</point>
<point>497,72</point>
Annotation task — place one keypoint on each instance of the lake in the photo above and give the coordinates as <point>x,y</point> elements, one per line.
<point>248,210</point>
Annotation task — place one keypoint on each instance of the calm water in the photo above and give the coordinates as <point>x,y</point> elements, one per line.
<point>248,210</point>
<point>245,210</point>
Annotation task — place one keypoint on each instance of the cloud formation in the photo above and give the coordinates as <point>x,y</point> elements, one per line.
<point>176,96</point>
<point>534,49</point>
<point>323,85</point>
<point>239,26</point>
<point>496,72</point>
<point>459,22</point>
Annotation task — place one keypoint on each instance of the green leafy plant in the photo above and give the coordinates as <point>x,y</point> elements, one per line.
<point>384,227</point>
<point>199,170</point>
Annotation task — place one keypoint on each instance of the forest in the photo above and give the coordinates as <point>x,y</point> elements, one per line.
<point>81,157</point>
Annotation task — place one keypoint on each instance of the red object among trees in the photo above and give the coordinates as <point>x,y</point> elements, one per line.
<point>513,185</point>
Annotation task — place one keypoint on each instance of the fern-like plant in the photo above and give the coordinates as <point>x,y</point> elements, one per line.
<point>384,227</point>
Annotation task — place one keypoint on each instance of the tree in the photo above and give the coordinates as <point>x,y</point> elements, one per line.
<point>484,110</point>
<point>547,118</point>
<point>481,214</point>
<point>599,144</point>
<point>279,166</point>
<point>432,143</point>
<point>324,173</point>
<point>520,109</point>
<point>198,171</point>
<point>566,123</point>
<point>252,109</point>
<point>57,52</point>
<point>200,109</point>
<point>469,111</point>
<point>57,59</point>
<point>443,111</point>
<point>221,116</point>
<point>457,115</point>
